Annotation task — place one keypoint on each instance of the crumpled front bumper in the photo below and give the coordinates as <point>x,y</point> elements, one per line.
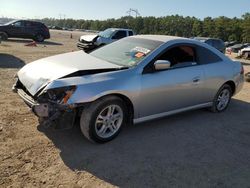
<point>86,46</point>
<point>50,114</point>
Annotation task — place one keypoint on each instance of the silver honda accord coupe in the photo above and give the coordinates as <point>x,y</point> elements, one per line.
<point>132,80</point>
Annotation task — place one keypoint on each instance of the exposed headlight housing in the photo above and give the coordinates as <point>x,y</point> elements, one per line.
<point>61,95</point>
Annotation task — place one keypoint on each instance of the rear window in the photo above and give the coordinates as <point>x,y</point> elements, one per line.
<point>205,56</point>
<point>219,43</point>
<point>130,33</point>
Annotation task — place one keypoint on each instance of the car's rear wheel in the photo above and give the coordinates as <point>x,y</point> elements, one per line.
<point>222,99</point>
<point>103,119</point>
<point>3,36</point>
<point>39,38</point>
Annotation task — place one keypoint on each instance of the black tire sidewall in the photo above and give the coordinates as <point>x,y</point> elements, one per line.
<point>215,109</point>
<point>92,132</point>
<point>246,55</point>
<point>39,38</point>
<point>3,35</point>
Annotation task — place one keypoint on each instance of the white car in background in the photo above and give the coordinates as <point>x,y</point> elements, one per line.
<point>245,52</point>
<point>91,42</point>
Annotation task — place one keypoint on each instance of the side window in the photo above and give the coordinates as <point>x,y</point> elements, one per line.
<point>209,42</point>
<point>28,24</point>
<point>18,24</point>
<point>130,33</point>
<point>206,56</point>
<point>216,44</point>
<point>119,35</point>
<point>180,56</point>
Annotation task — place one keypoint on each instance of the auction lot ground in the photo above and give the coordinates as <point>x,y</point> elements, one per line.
<point>192,149</point>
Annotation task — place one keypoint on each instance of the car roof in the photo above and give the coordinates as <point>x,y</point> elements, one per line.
<point>121,29</point>
<point>162,38</point>
<point>206,38</point>
<point>28,21</point>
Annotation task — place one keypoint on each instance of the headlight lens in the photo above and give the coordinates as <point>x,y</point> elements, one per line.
<point>61,95</point>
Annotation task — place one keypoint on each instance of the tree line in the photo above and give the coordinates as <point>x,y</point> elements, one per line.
<point>227,29</point>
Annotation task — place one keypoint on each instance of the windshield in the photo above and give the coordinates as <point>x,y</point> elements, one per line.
<point>106,33</point>
<point>11,22</point>
<point>126,52</point>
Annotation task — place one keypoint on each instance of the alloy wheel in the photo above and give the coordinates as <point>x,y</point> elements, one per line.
<point>223,99</point>
<point>109,121</point>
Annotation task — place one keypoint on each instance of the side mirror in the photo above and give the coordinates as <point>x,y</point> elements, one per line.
<point>162,65</point>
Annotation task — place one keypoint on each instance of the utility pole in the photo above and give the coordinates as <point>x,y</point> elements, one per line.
<point>135,11</point>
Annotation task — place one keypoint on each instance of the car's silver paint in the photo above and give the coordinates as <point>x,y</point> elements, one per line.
<point>173,90</point>
<point>153,95</point>
<point>164,114</point>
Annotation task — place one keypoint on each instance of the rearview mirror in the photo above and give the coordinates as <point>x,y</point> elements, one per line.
<point>162,65</point>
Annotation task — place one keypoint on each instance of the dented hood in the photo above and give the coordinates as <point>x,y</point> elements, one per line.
<point>38,74</point>
<point>88,38</point>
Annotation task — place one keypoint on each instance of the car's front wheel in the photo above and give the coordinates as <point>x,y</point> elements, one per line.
<point>222,99</point>
<point>103,119</point>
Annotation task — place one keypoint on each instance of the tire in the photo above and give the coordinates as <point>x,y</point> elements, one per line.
<point>247,77</point>
<point>39,38</point>
<point>246,55</point>
<point>222,99</point>
<point>96,122</point>
<point>3,36</point>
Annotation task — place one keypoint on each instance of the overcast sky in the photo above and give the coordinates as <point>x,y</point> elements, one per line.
<point>100,9</point>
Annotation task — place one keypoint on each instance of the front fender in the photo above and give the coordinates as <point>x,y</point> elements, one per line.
<point>93,87</point>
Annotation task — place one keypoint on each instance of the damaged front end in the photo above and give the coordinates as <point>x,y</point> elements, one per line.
<point>87,46</point>
<point>50,106</point>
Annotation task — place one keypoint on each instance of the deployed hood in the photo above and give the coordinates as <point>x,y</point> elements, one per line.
<point>88,38</point>
<point>38,74</point>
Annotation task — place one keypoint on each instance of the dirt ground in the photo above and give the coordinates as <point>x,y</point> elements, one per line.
<point>192,149</point>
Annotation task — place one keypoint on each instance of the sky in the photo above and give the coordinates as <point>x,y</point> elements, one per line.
<point>104,9</point>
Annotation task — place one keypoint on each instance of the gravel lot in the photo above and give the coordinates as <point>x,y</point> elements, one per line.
<point>192,149</point>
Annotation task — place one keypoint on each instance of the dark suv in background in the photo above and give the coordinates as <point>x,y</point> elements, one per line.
<point>216,43</point>
<point>24,29</point>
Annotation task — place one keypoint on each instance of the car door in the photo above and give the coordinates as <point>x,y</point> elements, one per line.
<point>119,35</point>
<point>180,86</point>
<point>29,29</point>
<point>17,29</point>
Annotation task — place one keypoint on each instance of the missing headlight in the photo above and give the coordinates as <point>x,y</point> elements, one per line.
<point>61,95</point>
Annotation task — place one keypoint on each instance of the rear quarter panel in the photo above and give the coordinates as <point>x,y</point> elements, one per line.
<point>216,74</point>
